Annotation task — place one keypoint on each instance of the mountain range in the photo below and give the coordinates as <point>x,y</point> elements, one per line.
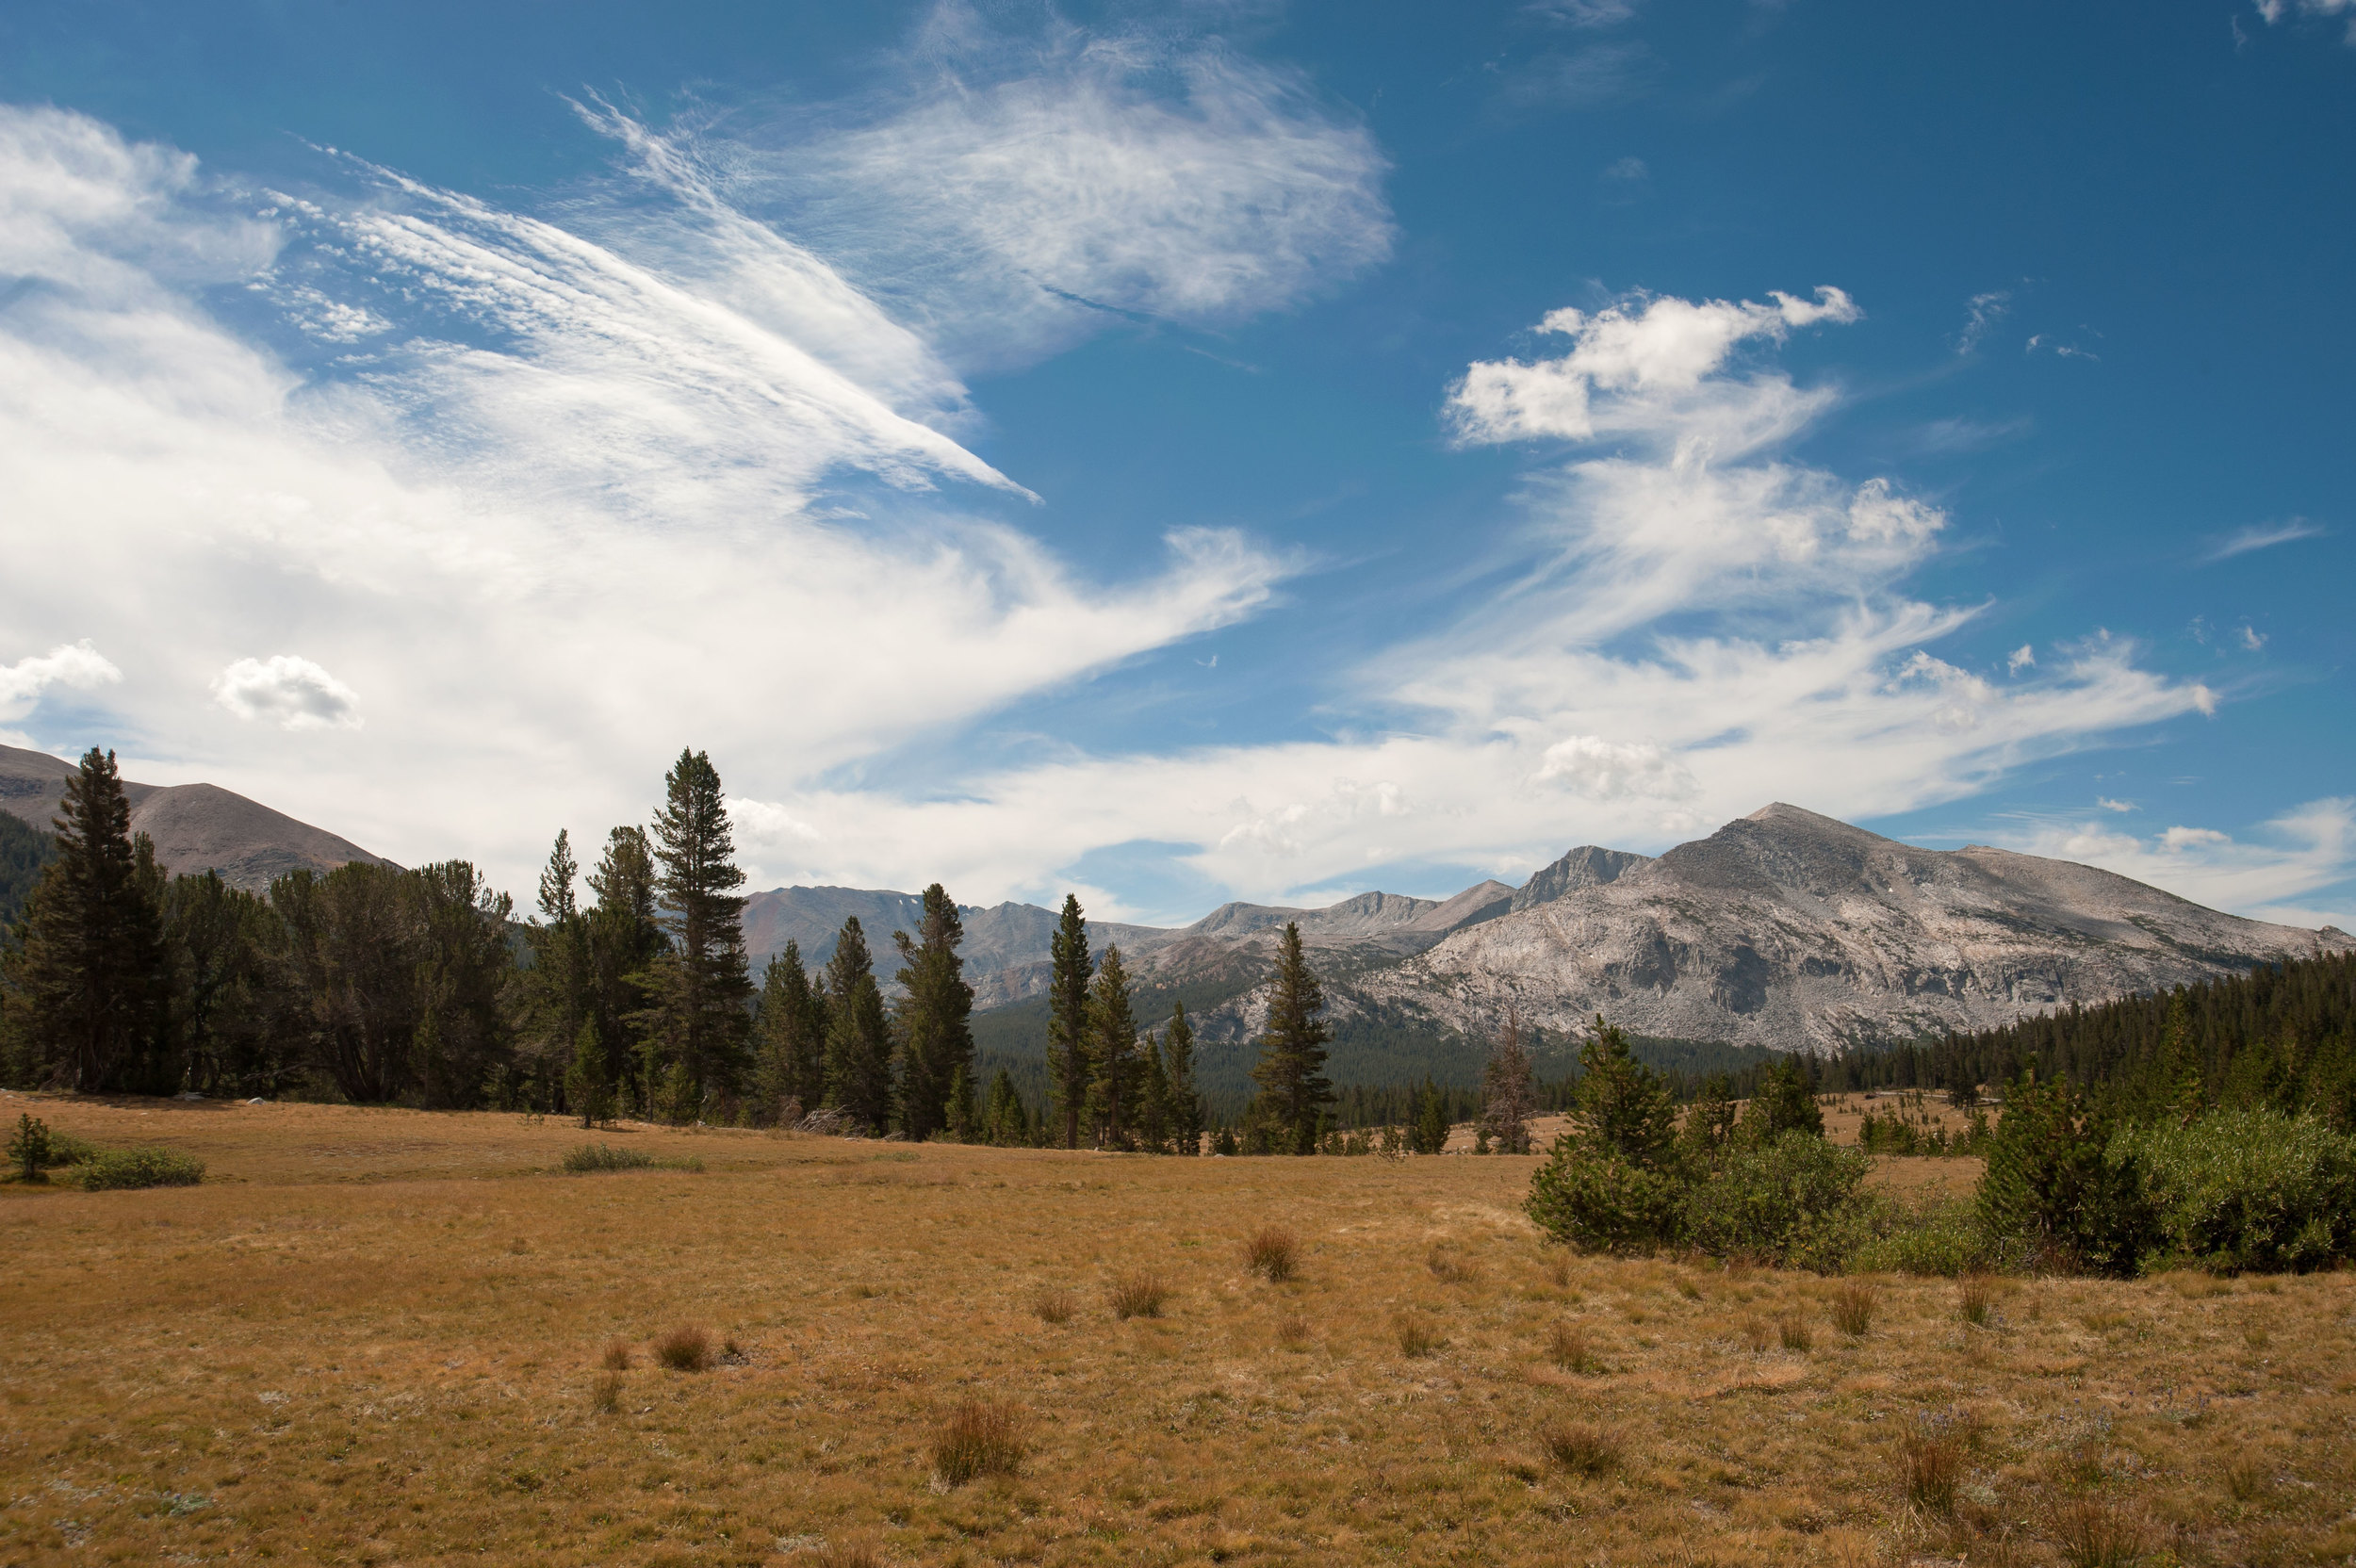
<point>1784,930</point>
<point>196,826</point>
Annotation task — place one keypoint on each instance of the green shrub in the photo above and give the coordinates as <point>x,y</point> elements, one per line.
<point>1792,1200</point>
<point>2058,1187</point>
<point>114,1169</point>
<point>598,1156</point>
<point>1599,1200</point>
<point>32,1147</point>
<point>1941,1238</point>
<point>2244,1190</point>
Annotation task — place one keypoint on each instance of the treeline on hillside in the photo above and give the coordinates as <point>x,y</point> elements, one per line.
<point>2282,1035</point>
<point>25,853</point>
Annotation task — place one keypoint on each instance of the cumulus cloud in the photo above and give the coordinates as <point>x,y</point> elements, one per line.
<point>1613,770</point>
<point>2277,10</point>
<point>1647,367</point>
<point>75,665</point>
<point>289,692</point>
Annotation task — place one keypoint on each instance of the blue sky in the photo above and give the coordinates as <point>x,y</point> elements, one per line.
<point>1183,452</point>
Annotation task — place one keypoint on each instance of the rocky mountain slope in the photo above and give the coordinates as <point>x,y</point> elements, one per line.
<point>196,826</point>
<point>1791,930</point>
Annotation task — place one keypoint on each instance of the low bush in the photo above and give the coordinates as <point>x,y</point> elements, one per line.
<point>2244,1191</point>
<point>1137,1293</point>
<point>685,1348</point>
<point>1601,1200</point>
<point>1273,1253</point>
<point>1941,1239</point>
<point>598,1156</point>
<point>115,1170</point>
<point>1792,1199</point>
<point>979,1438</point>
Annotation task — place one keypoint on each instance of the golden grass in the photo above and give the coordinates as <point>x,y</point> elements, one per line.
<point>1273,1253</point>
<point>332,1352</point>
<point>980,1437</point>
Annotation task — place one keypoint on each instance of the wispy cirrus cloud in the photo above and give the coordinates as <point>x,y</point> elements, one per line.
<point>2260,536</point>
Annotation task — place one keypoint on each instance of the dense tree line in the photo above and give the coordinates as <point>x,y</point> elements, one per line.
<point>2281,1035</point>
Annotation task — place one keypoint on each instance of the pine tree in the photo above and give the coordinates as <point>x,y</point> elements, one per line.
<point>964,1112</point>
<point>1153,1098</point>
<point>703,983</point>
<point>937,1040</point>
<point>1509,1098</point>
<point>1709,1122</point>
<point>1291,1070</point>
<point>1621,1107</point>
<point>791,1074</point>
<point>232,1003</point>
<point>85,985</point>
<point>1112,1052</point>
<point>1430,1133</point>
<point>556,990</point>
<point>858,1041</point>
<point>623,940</point>
<point>1781,1103</point>
<point>585,1088</point>
<point>2179,1064</point>
<point>1184,1100</point>
<point>1067,1066</point>
<point>1006,1122</point>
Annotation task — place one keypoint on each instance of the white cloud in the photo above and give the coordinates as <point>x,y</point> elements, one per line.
<point>2275,10</point>
<point>1007,192</point>
<point>2259,536</point>
<point>1583,13</point>
<point>1607,770</point>
<point>576,511</point>
<point>1985,310</point>
<point>2022,658</point>
<point>1647,367</point>
<point>288,691</point>
<point>76,664</point>
<point>1628,170</point>
<point>2252,639</point>
<point>2303,851</point>
<point>2107,804</point>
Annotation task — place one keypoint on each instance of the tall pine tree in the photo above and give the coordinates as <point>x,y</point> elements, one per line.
<point>86,985</point>
<point>937,1043</point>
<point>556,990</point>
<point>1068,1067</point>
<point>1509,1097</point>
<point>1112,1050</point>
<point>700,1021</point>
<point>1291,1070</point>
<point>859,1039</point>
<point>792,1072</point>
<point>1184,1100</point>
<point>623,940</point>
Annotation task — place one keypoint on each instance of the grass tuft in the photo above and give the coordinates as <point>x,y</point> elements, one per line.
<point>1757,1335</point>
<point>1054,1304</point>
<point>1567,1346</point>
<point>1792,1329</point>
<point>605,1395</point>
<point>1416,1334</point>
<point>617,1357</point>
<point>1852,1306</point>
<point>2245,1478</point>
<point>1930,1461</point>
<point>1975,1301</point>
<point>1581,1446</point>
<point>1273,1253</point>
<point>1449,1268</point>
<point>1138,1293</point>
<point>1292,1331</point>
<point>2094,1534</point>
<point>981,1437</point>
<point>685,1348</point>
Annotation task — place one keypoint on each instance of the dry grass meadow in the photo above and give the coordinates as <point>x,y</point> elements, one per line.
<point>398,1337</point>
